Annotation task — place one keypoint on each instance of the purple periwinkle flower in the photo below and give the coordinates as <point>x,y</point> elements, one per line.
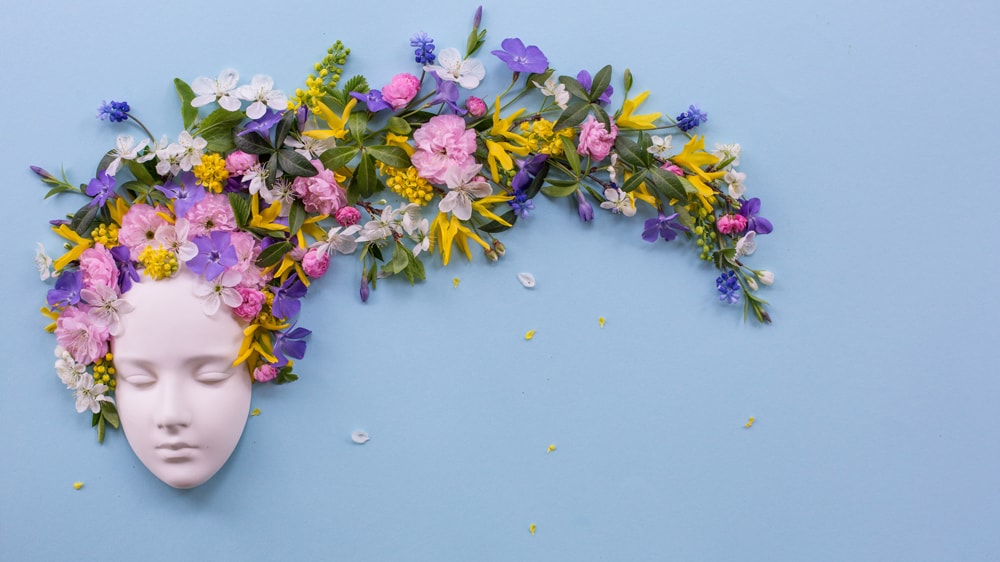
<point>262,124</point>
<point>446,92</point>
<point>126,268</point>
<point>519,58</point>
<point>116,111</point>
<point>728,286</point>
<point>67,290</point>
<point>583,207</point>
<point>749,210</point>
<point>286,298</point>
<point>585,80</point>
<point>215,253</point>
<point>373,99</point>
<point>691,118</point>
<point>184,195</point>
<point>662,226</point>
<point>101,188</point>
<point>527,170</point>
<point>43,173</point>
<point>290,343</point>
<point>424,48</point>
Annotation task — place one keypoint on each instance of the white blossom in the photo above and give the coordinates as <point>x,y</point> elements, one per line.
<point>618,202</point>
<point>43,263</point>
<point>735,180</point>
<point>463,185</point>
<point>661,146</point>
<point>222,89</point>
<point>125,150</point>
<point>220,290</point>
<point>261,92</point>
<point>556,90</point>
<point>106,307</point>
<point>453,68</point>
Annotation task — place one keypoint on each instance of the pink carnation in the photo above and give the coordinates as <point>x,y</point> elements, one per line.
<point>265,373</point>
<point>315,263</point>
<point>98,268</point>
<point>476,106</point>
<point>595,140</point>
<point>401,90</point>
<point>320,193</point>
<point>443,143</point>
<point>210,214</point>
<point>237,163</point>
<point>731,224</point>
<point>253,300</point>
<point>348,216</point>
<point>86,341</point>
<point>139,226</point>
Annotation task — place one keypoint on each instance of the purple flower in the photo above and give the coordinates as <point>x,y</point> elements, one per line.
<point>447,92</point>
<point>215,253</point>
<point>67,290</point>
<point>749,210</point>
<point>184,195</point>
<point>527,171</point>
<point>43,173</point>
<point>373,99</point>
<point>520,58</point>
<point>662,226</point>
<point>116,111</point>
<point>691,118</point>
<point>365,291</point>
<point>290,343</point>
<point>583,207</point>
<point>126,267</point>
<point>424,48</point>
<point>286,298</point>
<point>521,204</point>
<point>263,124</point>
<point>729,287</point>
<point>101,188</point>
<point>586,81</point>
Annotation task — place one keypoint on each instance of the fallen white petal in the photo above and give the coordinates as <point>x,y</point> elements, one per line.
<point>526,279</point>
<point>360,437</point>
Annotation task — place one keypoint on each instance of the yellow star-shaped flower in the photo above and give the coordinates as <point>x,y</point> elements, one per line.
<point>628,121</point>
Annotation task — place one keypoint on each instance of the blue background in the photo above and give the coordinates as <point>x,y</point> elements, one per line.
<point>868,131</point>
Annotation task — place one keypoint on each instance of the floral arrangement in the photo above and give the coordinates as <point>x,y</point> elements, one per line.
<point>260,190</point>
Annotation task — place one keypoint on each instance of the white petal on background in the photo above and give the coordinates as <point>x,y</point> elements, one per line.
<point>526,279</point>
<point>360,437</point>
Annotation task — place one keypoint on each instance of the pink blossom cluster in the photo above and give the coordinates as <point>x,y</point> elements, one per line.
<point>596,140</point>
<point>443,143</point>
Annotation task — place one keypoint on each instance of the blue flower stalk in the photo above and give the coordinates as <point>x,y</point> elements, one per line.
<point>118,111</point>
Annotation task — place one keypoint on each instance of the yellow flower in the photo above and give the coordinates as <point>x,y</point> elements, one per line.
<point>498,149</point>
<point>448,229</point>
<point>480,206</point>
<point>693,157</point>
<point>629,121</point>
<point>337,123</point>
<point>392,139</point>
<point>265,220</point>
<point>79,245</point>
<point>704,193</point>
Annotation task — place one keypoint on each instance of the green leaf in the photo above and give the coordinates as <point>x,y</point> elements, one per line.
<point>602,116</point>
<point>414,267</point>
<point>273,254</point>
<point>105,162</point>
<point>296,216</point>
<point>83,219</point>
<point>365,183</point>
<point>574,87</point>
<point>241,208</point>
<point>254,143</point>
<point>393,156</point>
<point>573,115</point>
<point>632,183</point>
<point>217,129</point>
<point>560,191</point>
<point>338,157</point>
<point>399,125</point>
<point>356,83</point>
<point>140,172</point>
<point>294,164</point>
<point>569,151</point>
<point>536,183</point>
<point>59,189</point>
<point>285,375</point>
<point>630,153</point>
<point>358,125</point>
<point>399,260</point>
<point>110,414</point>
<point>188,112</point>
<point>100,428</point>
<point>376,253</point>
<point>669,185</point>
<point>601,82</point>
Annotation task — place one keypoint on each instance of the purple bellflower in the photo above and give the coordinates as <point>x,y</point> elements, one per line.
<point>662,226</point>
<point>749,210</point>
<point>101,189</point>
<point>215,253</point>
<point>519,58</point>
<point>67,290</point>
<point>583,207</point>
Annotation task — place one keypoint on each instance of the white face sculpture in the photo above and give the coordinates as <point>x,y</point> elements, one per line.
<point>182,403</point>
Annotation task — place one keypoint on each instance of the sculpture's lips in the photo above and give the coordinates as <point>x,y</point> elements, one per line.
<point>177,446</point>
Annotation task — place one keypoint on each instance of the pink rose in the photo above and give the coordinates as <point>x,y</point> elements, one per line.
<point>86,341</point>
<point>315,263</point>
<point>347,216</point>
<point>98,268</point>
<point>139,226</point>
<point>320,193</point>
<point>401,90</point>
<point>253,300</point>
<point>265,373</point>
<point>731,224</point>
<point>237,163</point>
<point>210,214</point>
<point>595,140</point>
<point>443,143</point>
<point>476,106</point>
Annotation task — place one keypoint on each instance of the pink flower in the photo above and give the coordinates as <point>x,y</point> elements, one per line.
<point>98,268</point>
<point>315,263</point>
<point>442,143</point>
<point>731,224</point>
<point>86,341</point>
<point>139,226</point>
<point>265,373</point>
<point>348,216</point>
<point>401,90</point>
<point>476,106</point>
<point>595,140</point>
<point>672,168</point>
<point>247,251</point>
<point>253,300</point>
<point>210,214</point>
<point>237,163</point>
<point>320,193</point>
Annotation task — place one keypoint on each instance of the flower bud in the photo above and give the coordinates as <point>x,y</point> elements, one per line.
<point>500,248</point>
<point>364,289</point>
<point>752,283</point>
<point>583,207</point>
<point>476,106</point>
<point>765,276</point>
<point>491,254</point>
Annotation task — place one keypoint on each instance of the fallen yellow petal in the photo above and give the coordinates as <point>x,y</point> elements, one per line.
<point>77,485</point>
<point>552,448</point>
<point>255,412</point>
<point>750,421</point>
<point>600,320</point>
<point>528,336</point>
<point>455,282</point>
<point>532,528</point>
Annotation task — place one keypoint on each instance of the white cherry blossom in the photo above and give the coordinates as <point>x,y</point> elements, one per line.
<point>261,92</point>
<point>125,149</point>
<point>453,68</point>
<point>222,89</point>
